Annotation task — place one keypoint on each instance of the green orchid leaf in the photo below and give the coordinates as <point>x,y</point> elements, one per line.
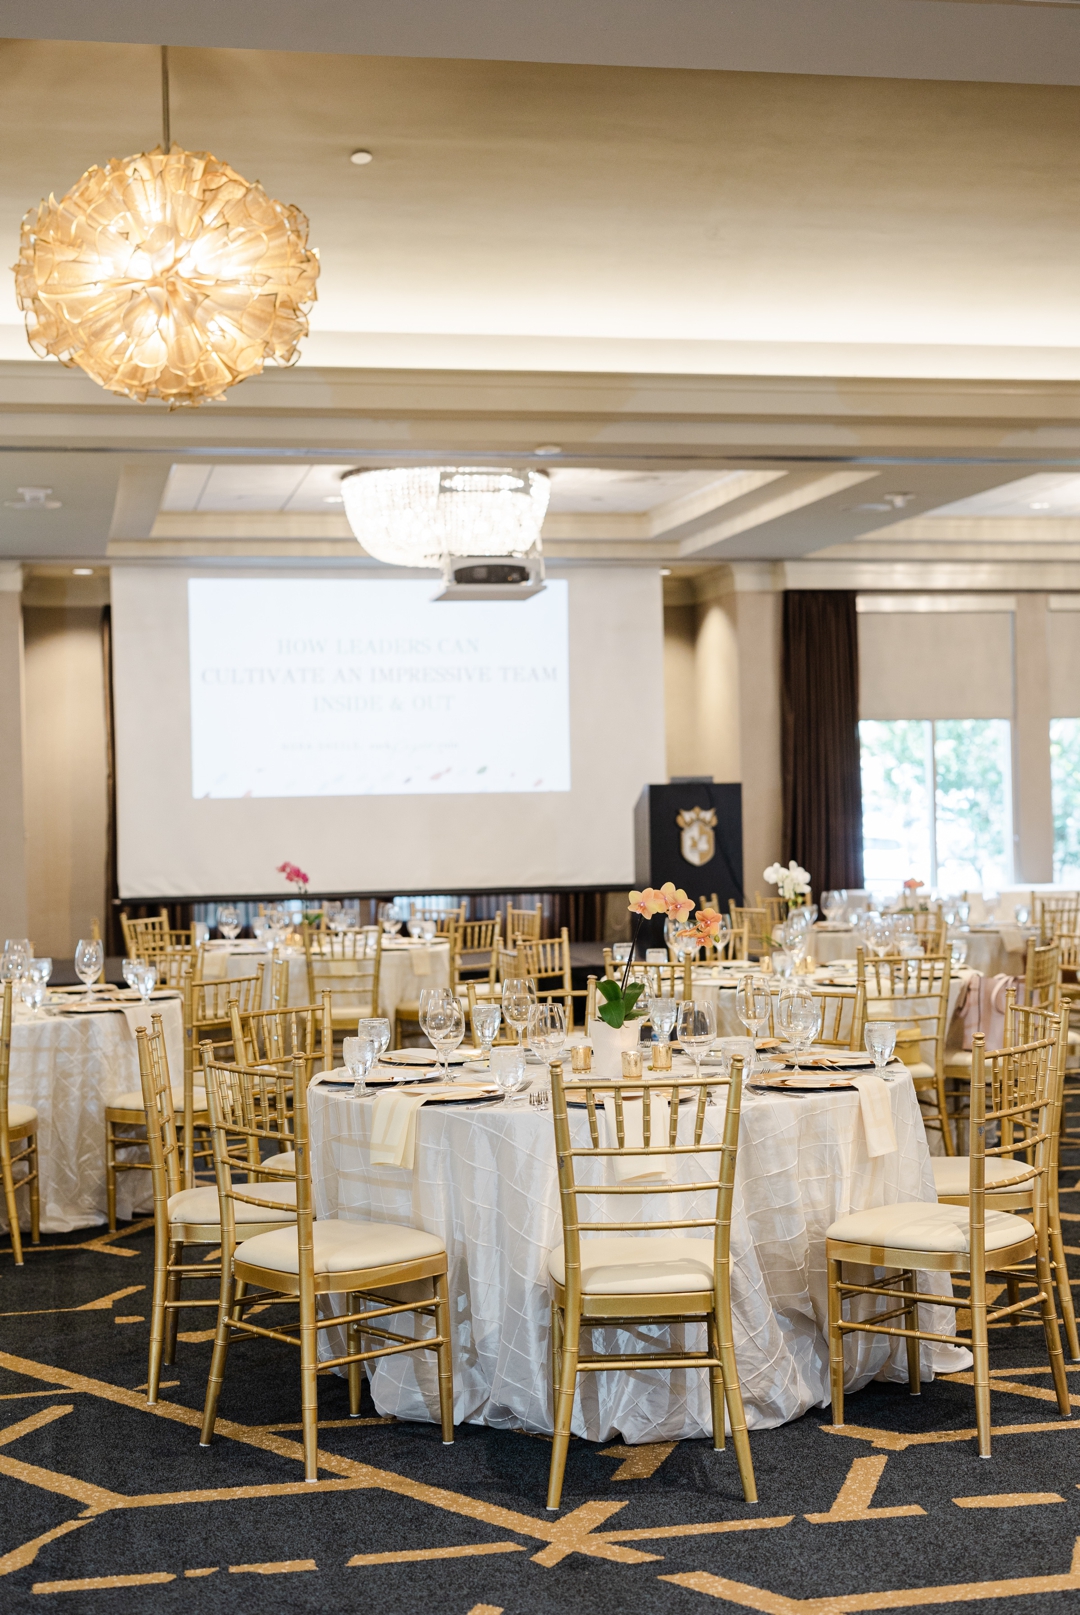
<point>609,990</point>
<point>613,1014</point>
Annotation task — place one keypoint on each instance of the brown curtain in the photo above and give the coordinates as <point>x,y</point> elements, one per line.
<point>820,737</point>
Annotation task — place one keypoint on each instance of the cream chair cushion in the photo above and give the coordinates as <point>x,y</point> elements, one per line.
<point>951,1173</point>
<point>922,1071</point>
<point>133,1100</point>
<point>201,1204</point>
<point>341,1247</point>
<point>958,1059</point>
<point>21,1116</point>
<point>920,1226</point>
<point>645,1265</point>
<point>285,1162</point>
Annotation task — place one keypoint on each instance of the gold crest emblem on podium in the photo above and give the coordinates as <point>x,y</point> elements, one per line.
<point>697,842</point>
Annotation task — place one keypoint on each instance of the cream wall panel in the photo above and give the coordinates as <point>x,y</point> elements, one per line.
<point>680,692</point>
<point>13,913</point>
<point>717,679</point>
<point>66,775</point>
<point>935,664</point>
<point>1064,641</point>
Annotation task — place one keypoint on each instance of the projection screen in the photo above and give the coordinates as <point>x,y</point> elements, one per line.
<point>350,723</point>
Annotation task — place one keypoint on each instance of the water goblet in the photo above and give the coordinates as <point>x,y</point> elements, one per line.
<point>663,1013</point>
<point>359,1056</point>
<point>547,1031</point>
<point>753,1002</point>
<point>697,1029</point>
<point>797,1017</point>
<point>486,1020</point>
<point>518,997</point>
<point>376,1028</point>
<point>508,1070</point>
<point>229,921</point>
<point>442,1021</point>
<point>390,919</point>
<point>959,949</point>
<point>89,962</point>
<point>129,969</point>
<point>880,1040</point>
<point>831,904</point>
<point>13,962</point>
<point>1023,914</point>
<point>146,980</point>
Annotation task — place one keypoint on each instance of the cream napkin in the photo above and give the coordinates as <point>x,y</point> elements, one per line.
<point>420,961</point>
<point>876,1115</point>
<point>393,1128</point>
<point>640,1168</point>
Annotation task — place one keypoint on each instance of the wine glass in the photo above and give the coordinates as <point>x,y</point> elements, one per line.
<point>13,962</point>
<point>442,1020</point>
<point>697,1029</point>
<point>427,930</point>
<point>146,981</point>
<point>518,997</point>
<point>959,949</point>
<point>359,1056</point>
<point>880,1040</point>
<point>753,1002</point>
<point>486,1020</point>
<point>260,928</point>
<point>390,918</point>
<point>547,1031</point>
<point>35,983</point>
<point>129,969</point>
<point>797,1017</point>
<point>376,1028</point>
<point>508,1070</point>
<point>831,904</point>
<point>663,1013</point>
<point>229,922</point>
<point>89,962</point>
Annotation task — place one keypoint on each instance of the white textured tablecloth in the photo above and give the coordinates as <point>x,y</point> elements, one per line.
<point>67,1066</point>
<point>485,1181</point>
<point>398,979</point>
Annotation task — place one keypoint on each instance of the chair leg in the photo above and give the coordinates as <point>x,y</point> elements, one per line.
<point>354,1342</point>
<point>716,1387</point>
<point>35,1194</point>
<point>1064,1287</point>
<point>1012,1286</point>
<point>445,1359</point>
<point>1050,1324</point>
<point>733,1393</point>
<point>556,1348</point>
<point>909,1283</point>
<point>836,1342</point>
<point>564,1406</point>
<point>981,1353</point>
<point>110,1173</point>
<point>309,1388</point>
<point>221,1352</point>
<point>172,1293</point>
<point>946,1130</point>
<point>157,1315</point>
<point>12,1211</point>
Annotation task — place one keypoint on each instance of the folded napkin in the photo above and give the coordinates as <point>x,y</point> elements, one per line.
<point>640,1168</point>
<point>420,960</point>
<point>876,1115</point>
<point>393,1128</point>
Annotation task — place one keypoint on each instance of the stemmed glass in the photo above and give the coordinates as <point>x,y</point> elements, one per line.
<point>697,1029</point>
<point>376,1028</point>
<point>229,922</point>
<point>486,1020</point>
<point>89,962</point>
<point>832,904</point>
<point>959,949</point>
<point>13,961</point>
<point>146,981</point>
<point>129,969</point>
<point>508,1070</point>
<point>442,1020</point>
<point>663,1013</point>
<point>35,983</point>
<point>753,1002</point>
<point>880,1040</point>
<point>547,1031</point>
<point>518,997</point>
<point>681,938</point>
<point>260,929</point>
<point>359,1056</point>
<point>390,918</point>
<point>797,1018</point>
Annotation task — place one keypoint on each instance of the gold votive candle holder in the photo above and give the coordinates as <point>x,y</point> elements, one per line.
<point>661,1057</point>
<point>631,1063</point>
<point>581,1059</point>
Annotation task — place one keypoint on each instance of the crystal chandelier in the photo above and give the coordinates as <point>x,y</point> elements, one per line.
<point>431,515</point>
<point>166,275</point>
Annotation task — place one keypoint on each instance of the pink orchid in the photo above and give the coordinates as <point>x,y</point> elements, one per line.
<point>648,903</point>
<point>709,924</point>
<point>678,904</point>
<point>293,873</point>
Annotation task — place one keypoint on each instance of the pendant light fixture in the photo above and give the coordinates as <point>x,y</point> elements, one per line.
<point>166,275</point>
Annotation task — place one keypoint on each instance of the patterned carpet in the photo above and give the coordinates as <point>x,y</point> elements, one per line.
<point>105,1504</point>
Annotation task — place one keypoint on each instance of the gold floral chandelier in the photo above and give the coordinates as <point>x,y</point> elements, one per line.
<point>166,275</point>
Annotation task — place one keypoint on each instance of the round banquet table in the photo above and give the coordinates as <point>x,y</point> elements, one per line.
<point>405,967</point>
<point>67,1066</point>
<point>485,1181</point>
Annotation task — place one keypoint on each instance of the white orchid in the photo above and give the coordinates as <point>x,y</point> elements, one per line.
<point>792,881</point>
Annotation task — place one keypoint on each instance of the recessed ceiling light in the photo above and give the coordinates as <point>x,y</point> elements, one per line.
<point>360,158</point>
<point>1040,504</point>
<point>546,449</point>
<point>82,571</point>
<point>333,499</point>
<point>33,499</point>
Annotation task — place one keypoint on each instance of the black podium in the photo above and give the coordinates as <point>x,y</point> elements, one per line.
<point>690,834</point>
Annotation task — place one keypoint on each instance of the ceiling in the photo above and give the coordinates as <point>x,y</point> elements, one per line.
<point>738,316</point>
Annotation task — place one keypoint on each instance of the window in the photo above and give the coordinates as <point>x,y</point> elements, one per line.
<point>937,802</point>
<point>1065,786</point>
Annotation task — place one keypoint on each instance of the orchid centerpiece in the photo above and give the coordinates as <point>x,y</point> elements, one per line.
<point>794,882</point>
<point>621,997</point>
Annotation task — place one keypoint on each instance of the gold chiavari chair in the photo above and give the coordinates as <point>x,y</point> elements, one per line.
<point>843,1016</point>
<point>669,980</point>
<point>914,994</point>
<point>347,966</point>
<point>505,1033</point>
<point>972,1239</point>
<point>443,919</point>
<point>274,1037</point>
<point>474,956</point>
<point>756,927</point>
<point>547,963</point>
<point>931,930</point>
<point>18,1128</point>
<point>526,922</point>
<point>712,902</point>
<point>182,1216</point>
<point>776,909</point>
<point>626,1273</point>
<point>308,1259</point>
<point>1024,1024</point>
<point>1042,972</point>
<point>207,1006</point>
<point>145,939</point>
<point>407,1010</point>
<point>1057,915</point>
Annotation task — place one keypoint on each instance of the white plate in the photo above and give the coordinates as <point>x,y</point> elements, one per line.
<point>426,1057</point>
